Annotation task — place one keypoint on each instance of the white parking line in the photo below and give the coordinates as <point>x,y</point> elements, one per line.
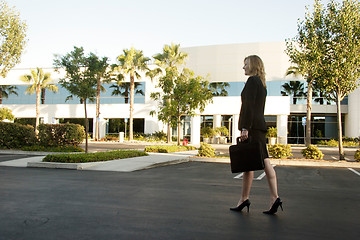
<point>354,171</point>
<point>239,176</point>
<point>337,158</point>
<point>259,178</point>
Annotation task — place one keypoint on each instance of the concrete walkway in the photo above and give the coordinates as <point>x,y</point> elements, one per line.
<point>120,165</point>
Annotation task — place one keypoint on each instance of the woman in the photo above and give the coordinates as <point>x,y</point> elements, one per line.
<point>252,125</point>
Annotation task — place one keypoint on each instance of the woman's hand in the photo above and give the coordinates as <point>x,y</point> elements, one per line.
<point>244,134</point>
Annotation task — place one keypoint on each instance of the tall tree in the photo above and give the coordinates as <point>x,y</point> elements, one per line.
<point>99,68</point>
<point>341,65</point>
<point>305,51</point>
<point>38,80</point>
<point>131,63</point>
<point>169,62</point>
<point>189,93</point>
<point>6,90</point>
<point>12,38</point>
<point>78,80</point>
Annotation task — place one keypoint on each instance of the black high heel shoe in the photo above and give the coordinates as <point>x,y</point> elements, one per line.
<point>274,207</point>
<point>245,203</point>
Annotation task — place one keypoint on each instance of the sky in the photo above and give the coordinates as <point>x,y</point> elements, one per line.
<point>106,27</point>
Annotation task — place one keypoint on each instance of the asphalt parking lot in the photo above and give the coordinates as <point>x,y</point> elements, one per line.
<point>183,201</point>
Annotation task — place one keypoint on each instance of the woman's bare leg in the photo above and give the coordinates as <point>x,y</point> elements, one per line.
<point>272,181</point>
<point>246,186</point>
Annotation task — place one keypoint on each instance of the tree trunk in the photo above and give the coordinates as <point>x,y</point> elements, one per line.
<point>341,150</point>
<point>308,114</point>
<point>168,133</point>
<point>86,127</point>
<point>97,110</point>
<point>178,130</point>
<point>132,87</point>
<point>38,93</point>
<point>43,96</point>
<point>169,127</point>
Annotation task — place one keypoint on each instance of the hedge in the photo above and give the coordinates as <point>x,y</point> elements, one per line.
<point>15,135</point>
<point>92,157</point>
<point>61,134</point>
<point>168,148</point>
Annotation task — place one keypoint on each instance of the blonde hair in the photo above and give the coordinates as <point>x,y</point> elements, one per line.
<point>257,67</point>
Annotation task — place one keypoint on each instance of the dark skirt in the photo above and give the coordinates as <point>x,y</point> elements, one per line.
<point>259,136</point>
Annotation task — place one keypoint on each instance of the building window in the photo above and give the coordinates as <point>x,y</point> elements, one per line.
<point>113,94</point>
<point>323,127</point>
<point>116,125</point>
<point>185,125</point>
<point>207,121</point>
<point>226,120</point>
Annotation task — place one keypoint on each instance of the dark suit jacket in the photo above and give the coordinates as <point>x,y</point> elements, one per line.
<point>253,98</point>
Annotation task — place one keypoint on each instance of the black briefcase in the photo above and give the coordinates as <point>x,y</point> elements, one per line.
<point>246,156</point>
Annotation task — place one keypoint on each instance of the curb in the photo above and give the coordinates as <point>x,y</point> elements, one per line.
<point>314,163</point>
<point>164,164</point>
<point>288,162</point>
<point>72,166</point>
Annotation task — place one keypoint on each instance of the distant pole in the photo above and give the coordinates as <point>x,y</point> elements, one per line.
<point>303,120</point>
<point>125,127</point>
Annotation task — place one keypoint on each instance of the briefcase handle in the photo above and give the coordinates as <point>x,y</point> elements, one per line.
<point>238,141</point>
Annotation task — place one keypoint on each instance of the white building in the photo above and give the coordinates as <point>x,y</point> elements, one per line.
<point>222,64</point>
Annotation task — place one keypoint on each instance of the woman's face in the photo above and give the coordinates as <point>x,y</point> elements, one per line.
<point>247,67</point>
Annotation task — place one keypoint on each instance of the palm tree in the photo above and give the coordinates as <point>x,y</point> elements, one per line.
<point>171,56</point>
<point>131,62</point>
<point>6,90</point>
<point>169,60</point>
<point>123,89</point>
<point>38,80</point>
<point>295,88</point>
<point>296,71</point>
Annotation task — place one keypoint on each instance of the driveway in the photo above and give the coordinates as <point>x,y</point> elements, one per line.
<point>184,201</point>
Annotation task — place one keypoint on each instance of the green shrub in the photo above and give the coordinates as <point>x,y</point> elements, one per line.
<point>312,152</point>
<point>279,150</point>
<point>207,132</point>
<point>15,135</point>
<point>350,142</point>
<point>332,143</point>
<point>222,131</point>
<point>168,148</point>
<point>206,150</point>
<point>93,157</point>
<point>110,137</point>
<point>271,132</point>
<point>159,136</point>
<point>357,155</point>
<point>61,134</point>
